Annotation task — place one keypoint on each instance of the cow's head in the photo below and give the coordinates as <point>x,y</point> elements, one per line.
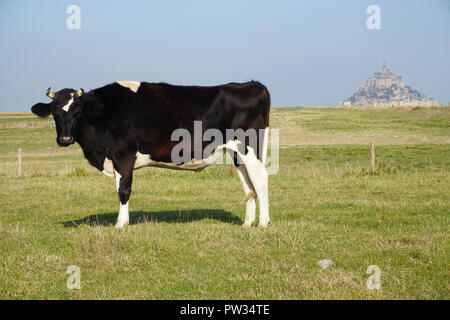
<point>67,110</point>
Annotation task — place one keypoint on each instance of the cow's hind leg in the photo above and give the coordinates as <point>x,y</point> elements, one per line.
<point>259,178</point>
<point>249,194</point>
<point>123,171</point>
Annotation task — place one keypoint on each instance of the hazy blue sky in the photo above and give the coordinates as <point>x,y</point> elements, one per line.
<point>305,52</point>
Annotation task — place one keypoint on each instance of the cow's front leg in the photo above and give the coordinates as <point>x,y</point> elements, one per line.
<point>124,176</point>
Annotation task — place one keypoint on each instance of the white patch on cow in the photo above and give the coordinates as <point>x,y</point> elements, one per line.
<point>108,168</point>
<point>132,85</point>
<point>123,218</point>
<point>144,160</point>
<point>67,106</point>
<point>118,176</point>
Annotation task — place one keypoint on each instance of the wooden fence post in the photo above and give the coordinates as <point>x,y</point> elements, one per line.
<point>372,156</point>
<point>19,162</point>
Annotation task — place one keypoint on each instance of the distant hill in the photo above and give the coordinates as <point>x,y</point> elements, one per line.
<point>387,89</point>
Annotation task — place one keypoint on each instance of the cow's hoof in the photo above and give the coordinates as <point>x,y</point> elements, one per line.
<point>248,224</point>
<point>120,225</point>
<point>264,224</point>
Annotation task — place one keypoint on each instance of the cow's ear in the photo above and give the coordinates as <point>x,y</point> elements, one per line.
<point>91,106</point>
<point>41,109</point>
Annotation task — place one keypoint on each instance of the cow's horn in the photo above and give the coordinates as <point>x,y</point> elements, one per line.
<point>80,92</point>
<point>49,94</point>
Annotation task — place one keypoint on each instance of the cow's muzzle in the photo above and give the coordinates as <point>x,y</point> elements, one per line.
<point>65,141</point>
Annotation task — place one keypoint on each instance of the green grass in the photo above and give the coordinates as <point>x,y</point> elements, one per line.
<point>185,238</point>
<point>332,126</point>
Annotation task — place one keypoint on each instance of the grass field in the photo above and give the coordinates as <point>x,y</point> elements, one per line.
<point>185,239</point>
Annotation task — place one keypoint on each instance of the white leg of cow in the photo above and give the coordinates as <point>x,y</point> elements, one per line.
<point>250,209</point>
<point>123,218</point>
<point>259,178</point>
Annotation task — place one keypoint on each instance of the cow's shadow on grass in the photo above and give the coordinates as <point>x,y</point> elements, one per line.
<point>176,216</point>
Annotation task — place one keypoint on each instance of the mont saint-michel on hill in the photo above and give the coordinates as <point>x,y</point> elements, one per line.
<point>385,88</point>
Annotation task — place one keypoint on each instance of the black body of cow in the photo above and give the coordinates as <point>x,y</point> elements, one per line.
<point>115,122</point>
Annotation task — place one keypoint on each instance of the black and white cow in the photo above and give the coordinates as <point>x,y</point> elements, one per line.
<point>128,125</point>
